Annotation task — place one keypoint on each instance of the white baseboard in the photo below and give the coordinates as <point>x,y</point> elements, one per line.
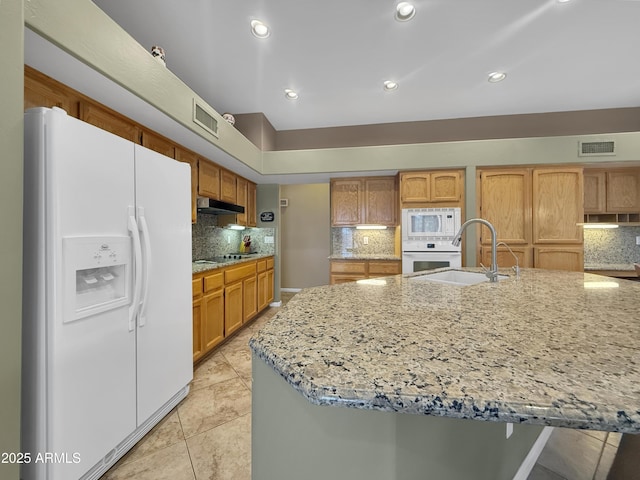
<point>532,457</point>
<point>290,290</point>
<point>276,304</point>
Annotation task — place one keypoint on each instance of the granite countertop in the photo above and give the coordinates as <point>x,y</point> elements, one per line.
<point>364,256</point>
<point>541,349</point>
<point>205,267</point>
<point>609,266</point>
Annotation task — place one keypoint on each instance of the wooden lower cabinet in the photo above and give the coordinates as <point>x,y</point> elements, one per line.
<point>559,258</point>
<point>225,299</point>
<point>343,271</point>
<point>505,259</point>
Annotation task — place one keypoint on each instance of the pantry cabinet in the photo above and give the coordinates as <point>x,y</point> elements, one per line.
<point>364,201</point>
<point>430,187</point>
<point>537,212</point>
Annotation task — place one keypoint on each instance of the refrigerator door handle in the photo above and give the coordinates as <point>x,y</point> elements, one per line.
<point>144,228</point>
<point>137,268</point>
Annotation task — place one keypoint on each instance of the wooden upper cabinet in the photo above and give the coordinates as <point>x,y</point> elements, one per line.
<point>595,199</point>
<point>109,120</point>
<point>380,201</point>
<point>241,199</point>
<point>208,179</point>
<point>623,191</point>
<point>557,205</point>
<point>347,202</point>
<point>228,187</point>
<point>415,187</point>
<point>191,158</point>
<point>251,205</point>
<point>42,91</point>
<point>158,144</point>
<point>505,201</point>
<point>445,186</point>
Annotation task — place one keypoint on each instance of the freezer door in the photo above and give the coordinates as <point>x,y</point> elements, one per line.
<point>164,359</point>
<point>84,382</point>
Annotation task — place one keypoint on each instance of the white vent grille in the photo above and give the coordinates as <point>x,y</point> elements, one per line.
<point>205,119</point>
<point>607,147</point>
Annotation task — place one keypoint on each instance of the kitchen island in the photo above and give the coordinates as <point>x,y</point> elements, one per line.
<point>416,362</point>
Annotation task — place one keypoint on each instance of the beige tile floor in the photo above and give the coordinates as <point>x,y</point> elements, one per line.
<point>208,436</point>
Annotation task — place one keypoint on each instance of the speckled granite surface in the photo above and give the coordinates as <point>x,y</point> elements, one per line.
<point>609,266</point>
<point>197,267</point>
<point>364,256</point>
<point>541,349</point>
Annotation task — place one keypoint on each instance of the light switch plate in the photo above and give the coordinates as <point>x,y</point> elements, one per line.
<point>268,239</point>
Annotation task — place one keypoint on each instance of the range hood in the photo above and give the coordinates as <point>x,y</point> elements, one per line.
<point>217,207</point>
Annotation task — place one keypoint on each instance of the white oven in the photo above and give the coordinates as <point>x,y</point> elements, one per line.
<point>419,261</point>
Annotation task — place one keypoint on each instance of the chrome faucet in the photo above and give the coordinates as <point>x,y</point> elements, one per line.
<point>492,273</point>
<point>516,267</point>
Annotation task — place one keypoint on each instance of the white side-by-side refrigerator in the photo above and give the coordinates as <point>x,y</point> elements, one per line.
<point>107,315</point>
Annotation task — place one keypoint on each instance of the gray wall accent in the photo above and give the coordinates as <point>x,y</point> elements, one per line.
<point>306,227</point>
<point>11,167</point>
<point>293,439</point>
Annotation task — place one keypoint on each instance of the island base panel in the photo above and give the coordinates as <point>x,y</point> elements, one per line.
<point>293,439</point>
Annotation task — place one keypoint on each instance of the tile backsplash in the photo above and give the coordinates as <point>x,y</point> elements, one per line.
<point>614,246</point>
<point>345,240</point>
<point>209,240</point>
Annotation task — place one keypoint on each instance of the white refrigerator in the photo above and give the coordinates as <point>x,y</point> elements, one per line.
<point>107,315</point>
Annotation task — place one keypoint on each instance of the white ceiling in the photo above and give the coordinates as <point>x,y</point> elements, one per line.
<point>336,54</point>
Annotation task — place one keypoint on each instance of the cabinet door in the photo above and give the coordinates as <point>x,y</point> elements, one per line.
<point>263,291</point>
<point>213,319</point>
<point>445,186</point>
<point>559,258</point>
<point>270,285</point>
<point>381,268</point>
<point>594,192</point>
<point>158,144</point>
<point>623,191</point>
<point>415,187</point>
<point>198,350</point>
<point>347,202</point>
<point>505,201</point>
<point>251,205</point>
<point>191,158</point>
<point>43,91</point>
<point>228,188</point>
<point>380,201</point>
<point>208,180</point>
<point>241,199</point>
<point>505,259</point>
<point>109,120</point>
<point>250,298</point>
<point>557,205</point>
<point>344,278</point>
<point>232,308</point>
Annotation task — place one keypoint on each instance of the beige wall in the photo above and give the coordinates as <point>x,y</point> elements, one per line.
<point>11,126</point>
<point>306,230</point>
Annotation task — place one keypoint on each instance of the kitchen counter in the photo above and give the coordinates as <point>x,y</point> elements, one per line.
<point>543,349</point>
<point>197,267</point>
<point>362,256</point>
<point>611,269</point>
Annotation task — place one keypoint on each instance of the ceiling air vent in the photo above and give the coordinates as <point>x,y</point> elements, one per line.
<point>204,118</point>
<point>587,149</point>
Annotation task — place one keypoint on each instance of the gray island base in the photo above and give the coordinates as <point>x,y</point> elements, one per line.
<point>395,378</point>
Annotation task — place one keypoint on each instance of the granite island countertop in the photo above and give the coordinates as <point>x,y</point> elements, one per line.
<point>548,348</point>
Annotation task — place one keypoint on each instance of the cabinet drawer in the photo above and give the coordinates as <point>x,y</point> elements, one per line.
<point>238,273</point>
<point>348,267</point>
<point>213,282</point>
<point>269,263</point>
<point>262,265</point>
<point>385,268</point>
<point>196,287</point>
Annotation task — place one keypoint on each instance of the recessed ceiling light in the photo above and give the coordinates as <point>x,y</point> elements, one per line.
<point>389,85</point>
<point>405,11</point>
<point>259,29</point>
<point>290,94</point>
<point>495,77</point>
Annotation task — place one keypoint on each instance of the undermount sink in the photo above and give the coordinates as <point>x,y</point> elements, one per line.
<point>455,277</point>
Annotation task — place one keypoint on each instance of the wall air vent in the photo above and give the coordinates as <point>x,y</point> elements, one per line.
<point>588,149</point>
<point>204,118</point>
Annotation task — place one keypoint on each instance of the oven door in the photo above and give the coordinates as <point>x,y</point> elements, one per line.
<point>419,261</point>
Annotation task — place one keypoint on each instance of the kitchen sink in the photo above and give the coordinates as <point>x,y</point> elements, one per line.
<point>455,277</point>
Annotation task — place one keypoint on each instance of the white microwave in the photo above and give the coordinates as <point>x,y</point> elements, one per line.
<point>419,224</point>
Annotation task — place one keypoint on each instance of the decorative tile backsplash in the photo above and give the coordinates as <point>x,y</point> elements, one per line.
<point>616,246</point>
<point>346,240</point>
<point>208,240</point>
